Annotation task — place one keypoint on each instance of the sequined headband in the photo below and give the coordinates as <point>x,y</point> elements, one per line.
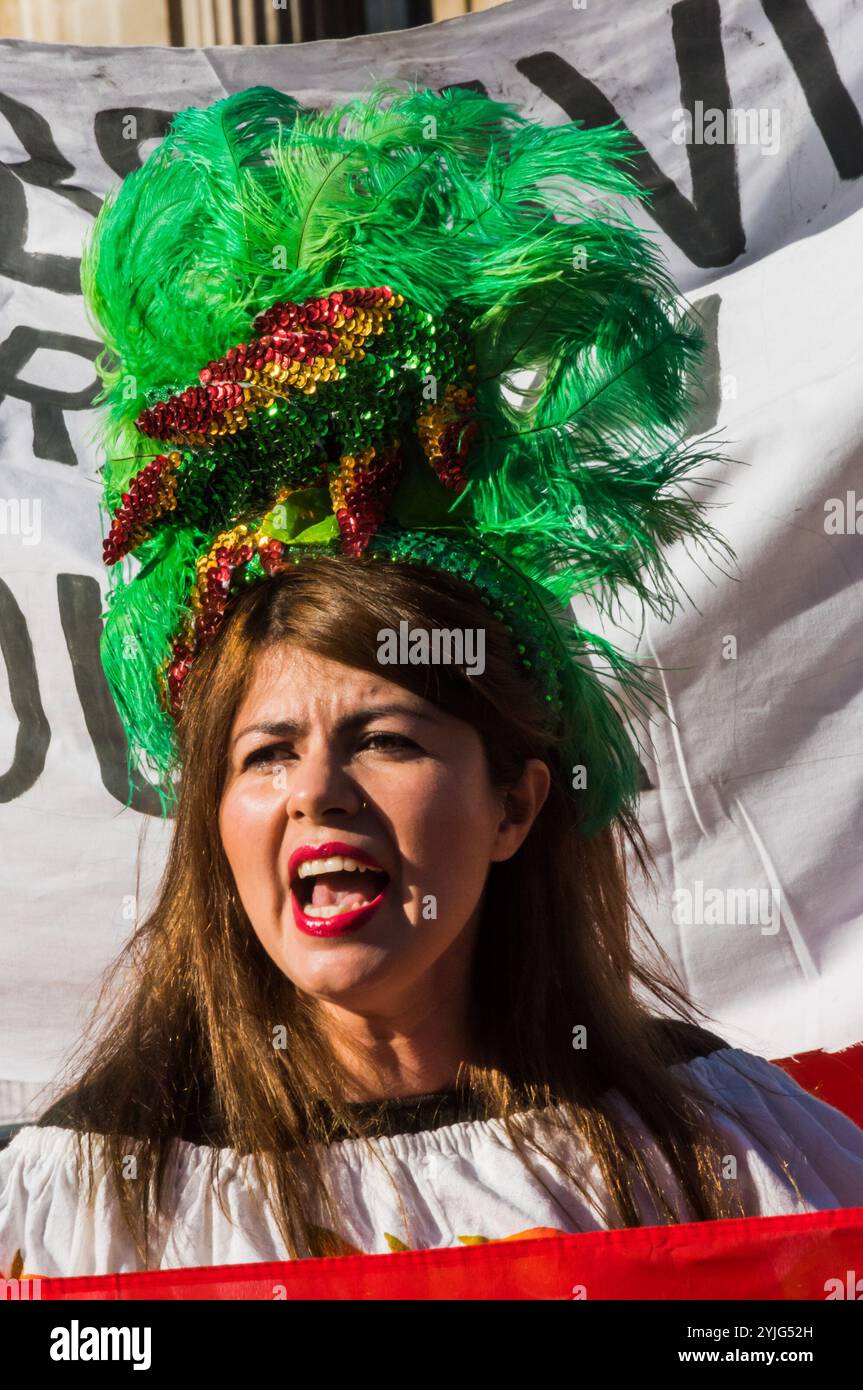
<point>239,420</point>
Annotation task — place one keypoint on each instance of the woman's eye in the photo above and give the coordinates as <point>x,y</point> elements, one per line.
<point>269,753</point>
<point>384,740</point>
<point>279,752</point>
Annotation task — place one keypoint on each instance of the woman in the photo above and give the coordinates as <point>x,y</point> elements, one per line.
<point>388,997</point>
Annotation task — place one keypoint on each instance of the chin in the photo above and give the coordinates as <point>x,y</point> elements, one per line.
<point>343,977</point>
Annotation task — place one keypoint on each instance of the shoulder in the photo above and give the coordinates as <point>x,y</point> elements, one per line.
<point>39,1198</point>
<point>85,1110</point>
<point>678,1042</point>
<point>794,1152</point>
<point>73,1110</point>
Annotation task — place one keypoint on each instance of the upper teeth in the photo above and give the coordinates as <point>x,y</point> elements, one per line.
<point>332,866</point>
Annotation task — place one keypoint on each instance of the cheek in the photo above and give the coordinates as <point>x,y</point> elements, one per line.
<point>251,822</point>
<point>446,824</point>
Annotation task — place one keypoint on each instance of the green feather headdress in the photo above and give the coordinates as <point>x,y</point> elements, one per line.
<point>318,329</point>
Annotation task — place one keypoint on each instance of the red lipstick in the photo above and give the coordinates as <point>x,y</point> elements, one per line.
<point>344,922</point>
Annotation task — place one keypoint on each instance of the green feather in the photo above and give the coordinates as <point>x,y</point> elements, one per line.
<point>454,200</point>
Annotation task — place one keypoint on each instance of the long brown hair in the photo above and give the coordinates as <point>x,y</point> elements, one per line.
<point>200,997</point>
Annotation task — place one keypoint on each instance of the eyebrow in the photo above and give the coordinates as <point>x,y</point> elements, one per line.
<point>286,727</point>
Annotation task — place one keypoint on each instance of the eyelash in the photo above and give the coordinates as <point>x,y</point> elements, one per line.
<point>261,755</point>
<point>265,754</point>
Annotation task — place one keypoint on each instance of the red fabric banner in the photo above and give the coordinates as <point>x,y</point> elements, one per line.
<point>811,1256</point>
<point>834,1077</point>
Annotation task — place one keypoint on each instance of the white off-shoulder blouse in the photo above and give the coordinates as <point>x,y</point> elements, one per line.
<point>460,1183</point>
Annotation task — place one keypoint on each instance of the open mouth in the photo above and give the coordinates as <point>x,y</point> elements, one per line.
<point>334,886</point>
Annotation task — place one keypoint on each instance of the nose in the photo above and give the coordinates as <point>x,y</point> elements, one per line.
<point>318,789</point>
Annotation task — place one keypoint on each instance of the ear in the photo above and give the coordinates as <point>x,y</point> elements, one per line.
<point>522,804</point>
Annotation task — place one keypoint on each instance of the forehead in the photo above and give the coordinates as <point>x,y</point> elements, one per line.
<point>290,683</point>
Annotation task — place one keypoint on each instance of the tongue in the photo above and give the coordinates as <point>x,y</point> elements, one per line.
<point>344,889</point>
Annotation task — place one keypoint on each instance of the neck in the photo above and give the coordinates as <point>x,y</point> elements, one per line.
<point>413,1045</point>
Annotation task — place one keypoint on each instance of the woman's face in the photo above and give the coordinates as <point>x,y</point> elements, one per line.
<point>328,764</point>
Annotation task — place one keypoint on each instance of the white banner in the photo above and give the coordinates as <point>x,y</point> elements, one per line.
<point>748,120</point>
